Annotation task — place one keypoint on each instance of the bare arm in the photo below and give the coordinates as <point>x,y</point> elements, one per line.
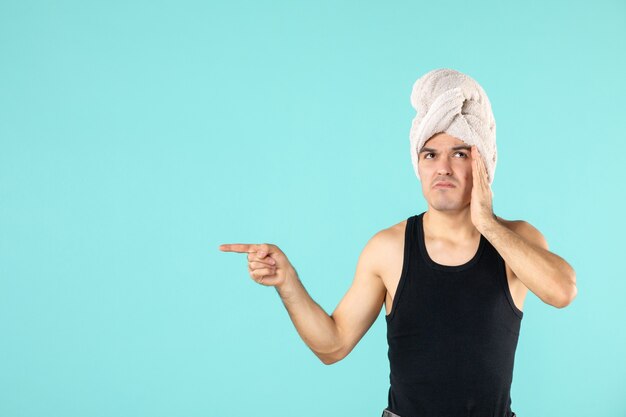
<point>330,338</point>
<point>525,251</point>
<point>316,328</point>
<point>544,273</point>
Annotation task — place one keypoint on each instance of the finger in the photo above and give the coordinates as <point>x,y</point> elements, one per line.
<point>486,173</point>
<point>268,260</point>
<point>258,264</point>
<point>475,172</point>
<point>479,160</point>
<point>254,256</point>
<point>483,169</point>
<point>478,167</point>
<point>237,247</point>
<point>481,163</point>
<point>263,250</point>
<point>261,273</point>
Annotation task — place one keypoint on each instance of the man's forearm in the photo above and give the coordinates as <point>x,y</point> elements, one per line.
<point>544,273</point>
<point>315,326</point>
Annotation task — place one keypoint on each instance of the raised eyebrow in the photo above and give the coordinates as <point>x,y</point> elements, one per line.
<point>454,148</point>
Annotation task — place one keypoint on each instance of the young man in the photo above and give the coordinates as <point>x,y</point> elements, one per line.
<point>453,279</point>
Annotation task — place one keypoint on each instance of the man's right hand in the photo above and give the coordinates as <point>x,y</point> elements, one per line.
<point>267,264</point>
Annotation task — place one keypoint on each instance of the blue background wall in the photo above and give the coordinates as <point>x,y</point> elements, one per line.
<point>136,137</point>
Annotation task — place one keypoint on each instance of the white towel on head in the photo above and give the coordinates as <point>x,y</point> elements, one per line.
<point>449,101</point>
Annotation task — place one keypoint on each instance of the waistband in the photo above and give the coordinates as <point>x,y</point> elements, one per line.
<point>387,413</point>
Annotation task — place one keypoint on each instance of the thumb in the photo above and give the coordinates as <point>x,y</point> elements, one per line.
<point>266,249</point>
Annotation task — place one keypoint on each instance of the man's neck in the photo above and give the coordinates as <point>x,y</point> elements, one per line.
<point>451,225</point>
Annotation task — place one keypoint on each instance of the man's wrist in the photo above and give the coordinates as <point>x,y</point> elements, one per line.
<point>288,288</point>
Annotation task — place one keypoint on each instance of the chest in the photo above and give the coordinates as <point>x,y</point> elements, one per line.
<point>445,255</point>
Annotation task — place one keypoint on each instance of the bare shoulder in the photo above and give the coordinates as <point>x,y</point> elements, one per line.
<point>391,237</point>
<point>386,249</point>
<point>526,230</point>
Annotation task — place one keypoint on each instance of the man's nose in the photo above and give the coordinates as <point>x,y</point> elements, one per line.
<point>443,166</point>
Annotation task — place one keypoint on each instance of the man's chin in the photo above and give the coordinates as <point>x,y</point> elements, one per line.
<point>440,204</point>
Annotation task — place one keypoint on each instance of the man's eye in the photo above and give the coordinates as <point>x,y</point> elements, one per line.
<point>459,152</point>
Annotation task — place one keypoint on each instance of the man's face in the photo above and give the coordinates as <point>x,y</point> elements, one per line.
<point>447,159</point>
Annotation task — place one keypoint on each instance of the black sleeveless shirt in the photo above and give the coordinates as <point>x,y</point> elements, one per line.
<point>452,334</point>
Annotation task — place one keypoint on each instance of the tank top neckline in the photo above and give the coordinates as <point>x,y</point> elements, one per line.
<point>441,267</point>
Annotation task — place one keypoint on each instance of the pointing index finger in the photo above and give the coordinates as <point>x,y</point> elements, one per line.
<point>237,247</point>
